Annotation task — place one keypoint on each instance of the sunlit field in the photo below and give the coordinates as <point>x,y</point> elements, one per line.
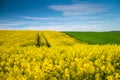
<point>52,55</point>
<point>96,37</point>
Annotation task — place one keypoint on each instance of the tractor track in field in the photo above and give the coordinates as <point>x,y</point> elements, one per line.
<point>38,40</point>
<point>41,40</point>
<point>47,43</point>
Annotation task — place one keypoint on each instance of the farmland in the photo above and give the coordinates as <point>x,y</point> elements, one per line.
<point>96,37</point>
<point>52,55</point>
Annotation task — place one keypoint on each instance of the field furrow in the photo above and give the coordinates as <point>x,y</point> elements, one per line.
<point>41,40</point>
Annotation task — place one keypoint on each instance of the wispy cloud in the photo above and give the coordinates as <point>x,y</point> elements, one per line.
<point>44,18</point>
<point>68,27</point>
<point>60,28</point>
<point>65,27</point>
<point>37,18</point>
<point>10,24</point>
<point>80,9</point>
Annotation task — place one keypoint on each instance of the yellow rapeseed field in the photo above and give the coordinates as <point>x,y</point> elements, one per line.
<point>51,55</point>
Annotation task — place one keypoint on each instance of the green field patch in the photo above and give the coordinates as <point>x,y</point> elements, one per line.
<point>96,37</point>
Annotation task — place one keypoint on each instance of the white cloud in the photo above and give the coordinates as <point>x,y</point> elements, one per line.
<point>80,9</point>
<point>37,18</point>
<point>44,18</point>
<point>68,28</point>
<point>9,24</point>
<point>71,27</point>
<point>56,28</point>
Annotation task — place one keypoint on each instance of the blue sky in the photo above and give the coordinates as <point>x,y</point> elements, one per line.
<point>60,15</point>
